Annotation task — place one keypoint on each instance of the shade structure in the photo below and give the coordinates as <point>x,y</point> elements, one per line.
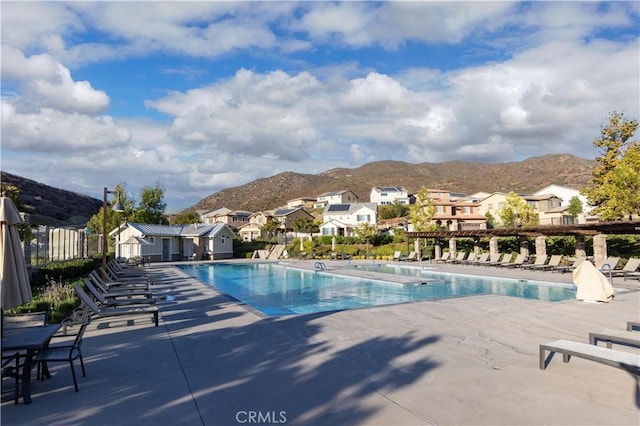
<point>15,286</point>
<point>134,242</point>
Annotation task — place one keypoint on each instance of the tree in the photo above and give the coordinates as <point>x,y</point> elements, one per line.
<point>517,212</point>
<point>608,186</point>
<point>623,186</point>
<point>152,206</point>
<point>575,206</point>
<point>367,233</point>
<point>271,227</point>
<point>113,218</point>
<point>186,217</point>
<point>421,213</point>
<point>304,224</point>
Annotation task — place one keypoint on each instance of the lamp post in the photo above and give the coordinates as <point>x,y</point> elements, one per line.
<point>117,207</point>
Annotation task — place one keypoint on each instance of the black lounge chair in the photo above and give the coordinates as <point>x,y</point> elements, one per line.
<point>104,312</point>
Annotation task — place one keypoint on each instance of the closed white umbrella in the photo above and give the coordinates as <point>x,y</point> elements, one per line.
<point>15,286</point>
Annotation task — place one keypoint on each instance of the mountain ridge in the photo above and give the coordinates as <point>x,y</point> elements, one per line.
<point>467,177</point>
<point>52,206</point>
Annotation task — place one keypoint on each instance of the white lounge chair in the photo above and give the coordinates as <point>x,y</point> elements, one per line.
<point>627,338</point>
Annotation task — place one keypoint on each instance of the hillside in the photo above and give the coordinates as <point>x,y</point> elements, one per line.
<point>457,176</point>
<point>47,205</point>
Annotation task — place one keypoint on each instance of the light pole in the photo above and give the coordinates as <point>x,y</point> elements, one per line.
<point>117,207</point>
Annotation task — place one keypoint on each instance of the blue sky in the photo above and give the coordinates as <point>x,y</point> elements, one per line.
<point>202,96</point>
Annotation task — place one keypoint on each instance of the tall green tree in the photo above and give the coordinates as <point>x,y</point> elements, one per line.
<point>186,217</point>
<point>305,225</point>
<point>608,189</point>
<point>151,208</point>
<point>623,187</point>
<point>575,206</point>
<point>421,213</point>
<point>367,233</point>
<point>516,212</point>
<point>271,228</point>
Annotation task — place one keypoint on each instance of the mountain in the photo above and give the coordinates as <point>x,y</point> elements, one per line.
<point>525,176</point>
<point>47,205</point>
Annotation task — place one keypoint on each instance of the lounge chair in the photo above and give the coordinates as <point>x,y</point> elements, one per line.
<point>445,256</point>
<point>397,256</point>
<point>541,260</point>
<point>627,338</point>
<point>104,312</point>
<point>629,268</point>
<point>553,262</point>
<point>413,256</point>
<point>633,325</point>
<point>493,259</point>
<point>482,258</point>
<point>459,258</point>
<point>118,291</point>
<point>64,353</point>
<point>569,268</point>
<point>116,300</point>
<point>518,262</point>
<point>506,259</point>
<point>625,360</point>
<point>110,284</point>
<point>612,262</point>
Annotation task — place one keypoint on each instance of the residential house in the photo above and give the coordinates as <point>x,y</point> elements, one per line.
<point>305,202</point>
<point>543,203</point>
<point>336,197</point>
<point>455,211</point>
<point>233,218</point>
<point>254,229</point>
<point>566,193</point>
<point>388,195</point>
<point>286,217</point>
<point>492,204</point>
<point>165,243</point>
<point>344,219</point>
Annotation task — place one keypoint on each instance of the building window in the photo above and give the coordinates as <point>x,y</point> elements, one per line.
<point>363,218</point>
<point>500,206</point>
<point>439,209</point>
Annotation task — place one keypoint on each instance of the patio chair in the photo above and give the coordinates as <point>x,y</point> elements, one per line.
<point>518,262</point>
<point>459,258</point>
<point>445,256</point>
<point>612,262</point>
<point>11,369</point>
<point>493,259</point>
<point>553,262</point>
<point>633,325</point>
<point>470,259</point>
<point>397,256</point>
<point>541,260</point>
<point>627,338</point>
<point>569,268</point>
<point>115,300</point>
<point>116,292</point>
<point>506,259</point>
<point>629,268</point>
<point>502,258</point>
<point>479,260</point>
<point>105,312</point>
<point>110,283</point>
<point>412,257</point>
<point>64,353</point>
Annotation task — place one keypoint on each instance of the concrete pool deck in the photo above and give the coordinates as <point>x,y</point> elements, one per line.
<point>471,360</point>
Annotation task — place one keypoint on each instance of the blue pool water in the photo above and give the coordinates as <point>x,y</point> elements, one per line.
<point>277,290</point>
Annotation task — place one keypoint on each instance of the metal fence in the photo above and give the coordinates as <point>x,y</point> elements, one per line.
<point>53,244</point>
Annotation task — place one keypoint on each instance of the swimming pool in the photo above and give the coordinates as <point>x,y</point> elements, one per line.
<point>277,290</point>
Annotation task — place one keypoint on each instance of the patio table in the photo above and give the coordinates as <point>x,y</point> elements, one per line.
<point>29,339</point>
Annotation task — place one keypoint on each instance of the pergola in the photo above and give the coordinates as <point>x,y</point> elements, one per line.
<point>598,230</point>
<point>617,227</point>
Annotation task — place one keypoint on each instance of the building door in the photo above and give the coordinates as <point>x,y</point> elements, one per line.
<point>166,249</point>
